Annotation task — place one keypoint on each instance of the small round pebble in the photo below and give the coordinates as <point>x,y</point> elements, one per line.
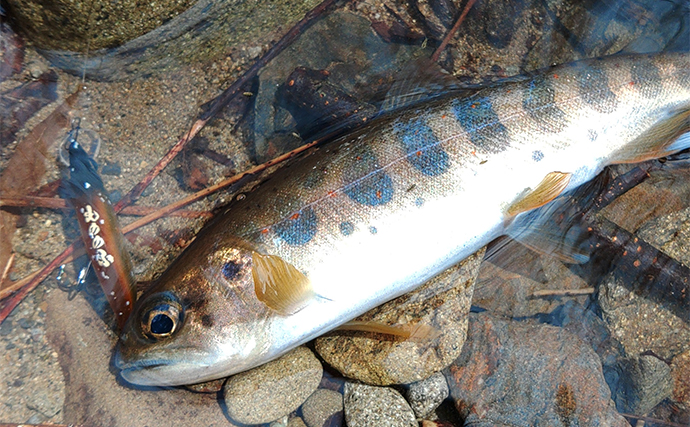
<point>273,390</point>
<point>426,395</point>
<point>367,405</point>
<point>322,407</point>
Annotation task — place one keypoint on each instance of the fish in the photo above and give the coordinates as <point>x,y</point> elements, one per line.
<point>377,212</point>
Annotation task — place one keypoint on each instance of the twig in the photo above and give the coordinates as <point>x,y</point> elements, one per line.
<point>652,420</point>
<point>223,99</point>
<point>452,31</point>
<point>57,203</point>
<point>562,292</point>
<point>6,271</point>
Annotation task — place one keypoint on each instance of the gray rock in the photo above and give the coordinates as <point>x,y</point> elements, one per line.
<point>273,390</point>
<point>442,303</point>
<point>426,395</point>
<point>322,408</point>
<point>367,406</point>
<point>513,373</point>
<point>296,422</point>
<point>641,324</point>
<point>644,382</point>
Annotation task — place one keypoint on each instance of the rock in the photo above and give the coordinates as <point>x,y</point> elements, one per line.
<point>323,408</point>
<point>442,303</point>
<point>93,394</point>
<point>272,390</point>
<point>367,405</point>
<point>680,371</point>
<point>513,373</point>
<point>644,382</point>
<point>213,386</point>
<point>296,422</point>
<point>426,395</point>
<point>641,324</point>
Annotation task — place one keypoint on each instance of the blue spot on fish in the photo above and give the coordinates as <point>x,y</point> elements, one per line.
<point>347,228</point>
<point>595,90</point>
<point>422,147</point>
<point>539,102</point>
<point>481,122</point>
<point>419,202</point>
<point>299,228</point>
<point>370,185</point>
<point>373,230</point>
<point>537,155</point>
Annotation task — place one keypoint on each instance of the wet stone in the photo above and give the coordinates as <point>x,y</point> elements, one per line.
<point>273,390</point>
<point>111,169</point>
<point>426,395</point>
<point>323,408</point>
<point>376,406</point>
<point>442,303</point>
<point>680,371</point>
<point>541,375</point>
<point>644,382</point>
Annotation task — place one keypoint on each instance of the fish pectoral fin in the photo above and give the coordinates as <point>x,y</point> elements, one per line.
<point>279,285</point>
<point>665,138</point>
<point>548,189</point>
<point>410,332</point>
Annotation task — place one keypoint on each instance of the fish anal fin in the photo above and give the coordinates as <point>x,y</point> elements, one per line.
<point>408,332</point>
<point>548,189</point>
<point>279,285</point>
<point>665,138</point>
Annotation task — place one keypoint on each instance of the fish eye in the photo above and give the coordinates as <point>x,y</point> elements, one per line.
<point>161,321</point>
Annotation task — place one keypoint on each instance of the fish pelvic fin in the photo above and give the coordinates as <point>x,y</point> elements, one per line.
<point>548,189</point>
<point>417,332</point>
<point>279,285</point>
<point>665,138</point>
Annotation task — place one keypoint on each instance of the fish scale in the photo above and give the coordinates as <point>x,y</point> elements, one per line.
<point>377,212</point>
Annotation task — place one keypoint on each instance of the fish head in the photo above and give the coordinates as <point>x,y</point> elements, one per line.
<point>200,321</point>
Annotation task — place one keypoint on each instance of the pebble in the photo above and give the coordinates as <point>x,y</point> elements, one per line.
<point>367,406</point>
<point>273,390</point>
<point>442,303</point>
<point>541,375</point>
<point>426,395</point>
<point>644,382</point>
<point>680,371</point>
<point>323,408</point>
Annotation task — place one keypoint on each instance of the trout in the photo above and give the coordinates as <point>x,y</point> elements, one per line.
<point>377,212</point>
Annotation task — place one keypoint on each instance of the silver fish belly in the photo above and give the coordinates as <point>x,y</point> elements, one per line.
<point>378,212</point>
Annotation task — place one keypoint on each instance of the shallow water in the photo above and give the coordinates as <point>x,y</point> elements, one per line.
<point>56,351</point>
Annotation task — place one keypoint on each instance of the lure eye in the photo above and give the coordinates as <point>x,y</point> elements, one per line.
<point>161,321</point>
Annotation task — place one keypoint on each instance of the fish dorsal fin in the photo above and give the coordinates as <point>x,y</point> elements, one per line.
<point>279,285</point>
<point>410,332</point>
<point>548,189</point>
<point>664,138</point>
<point>419,80</point>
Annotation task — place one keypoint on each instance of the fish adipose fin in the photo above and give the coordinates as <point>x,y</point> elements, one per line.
<point>410,332</point>
<point>548,189</point>
<point>667,137</point>
<point>279,285</point>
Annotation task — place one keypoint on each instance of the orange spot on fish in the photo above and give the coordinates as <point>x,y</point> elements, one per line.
<point>473,106</point>
<point>555,76</point>
<point>378,194</point>
<point>264,231</point>
<point>326,103</point>
<point>419,153</point>
<point>443,116</point>
<point>358,157</point>
<point>331,193</point>
<point>637,263</point>
<point>295,216</point>
<point>632,83</point>
<point>292,82</point>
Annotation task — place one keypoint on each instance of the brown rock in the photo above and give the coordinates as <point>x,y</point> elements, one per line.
<point>680,371</point>
<point>512,373</point>
<point>94,396</point>
<point>442,303</point>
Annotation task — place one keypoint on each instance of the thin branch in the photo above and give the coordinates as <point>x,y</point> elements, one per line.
<point>452,31</point>
<point>57,203</point>
<point>562,292</point>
